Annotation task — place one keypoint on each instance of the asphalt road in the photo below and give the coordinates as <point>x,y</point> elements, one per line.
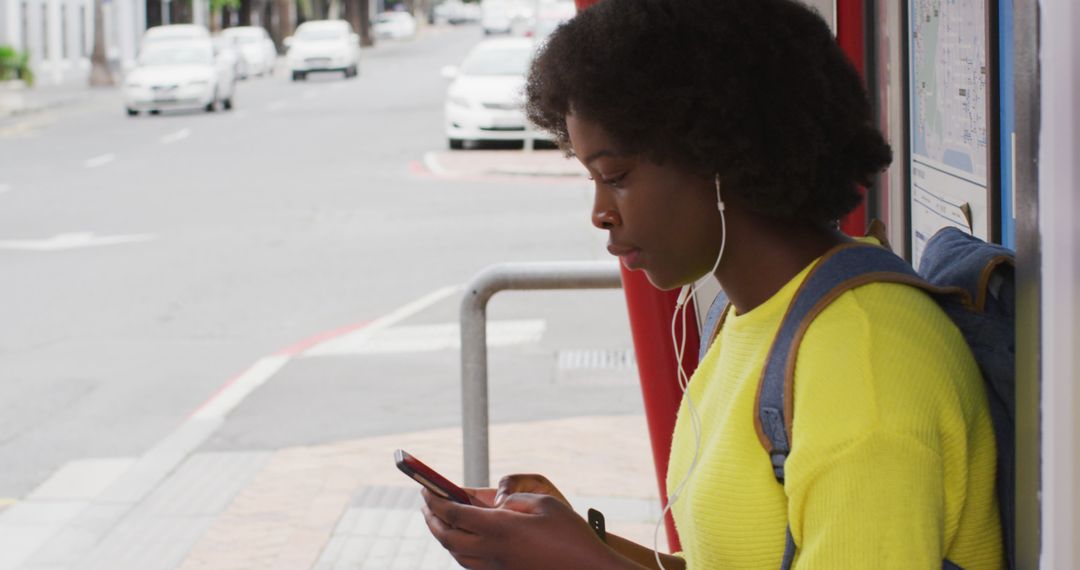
<point>146,261</point>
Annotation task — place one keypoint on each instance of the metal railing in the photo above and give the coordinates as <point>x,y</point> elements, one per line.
<point>535,276</point>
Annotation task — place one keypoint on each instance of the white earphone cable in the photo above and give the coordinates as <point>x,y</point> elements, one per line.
<point>679,343</point>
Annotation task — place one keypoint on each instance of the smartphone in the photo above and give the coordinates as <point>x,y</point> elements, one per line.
<point>427,477</point>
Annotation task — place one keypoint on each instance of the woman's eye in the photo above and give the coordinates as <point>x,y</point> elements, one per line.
<point>614,181</point>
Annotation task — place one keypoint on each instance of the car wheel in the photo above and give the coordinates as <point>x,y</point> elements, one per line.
<point>457,144</point>
<point>155,112</point>
<point>132,112</point>
<point>227,104</point>
<point>298,76</point>
<point>212,105</point>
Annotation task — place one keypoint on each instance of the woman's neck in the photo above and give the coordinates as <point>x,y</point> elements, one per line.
<point>763,255</point>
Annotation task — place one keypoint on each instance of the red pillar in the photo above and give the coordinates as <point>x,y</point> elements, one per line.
<point>650,311</point>
<point>849,34</point>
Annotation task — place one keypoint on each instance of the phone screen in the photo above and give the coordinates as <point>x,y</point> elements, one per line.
<point>429,478</point>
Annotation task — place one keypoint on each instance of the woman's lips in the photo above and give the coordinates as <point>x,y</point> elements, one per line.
<point>630,256</point>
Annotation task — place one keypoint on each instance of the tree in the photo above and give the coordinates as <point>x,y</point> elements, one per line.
<point>216,9</point>
<point>357,12</point>
<point>100,76</point>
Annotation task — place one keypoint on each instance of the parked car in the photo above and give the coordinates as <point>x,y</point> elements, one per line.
<point>484,101</point>
<point>394,25</point>
<point>496,16</point>
<point>256,48</point>
<point>174,32</point>
<point>179,75</point>
<point>227,53</point>
<point>323,45</point>
<point>549,16</point>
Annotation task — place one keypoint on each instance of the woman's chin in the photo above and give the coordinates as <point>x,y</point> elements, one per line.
<point>661,282</point>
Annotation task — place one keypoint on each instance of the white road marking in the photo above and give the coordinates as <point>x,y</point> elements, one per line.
<point>429,338</point>
<point>276,106</point>
<point>177,136</point>
<point>431,161</point>
<point>118,482</point>
<point>82,479</point>
<point>76,240</point>
<point>99,160</point>
<point>220,405</point>
<point>234,393</point>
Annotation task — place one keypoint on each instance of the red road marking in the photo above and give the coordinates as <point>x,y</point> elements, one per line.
<point>320,338</point>
<point>289,352</point>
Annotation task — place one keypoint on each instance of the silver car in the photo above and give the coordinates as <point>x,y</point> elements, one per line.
<point>323,45</point>
<point>179,75</point>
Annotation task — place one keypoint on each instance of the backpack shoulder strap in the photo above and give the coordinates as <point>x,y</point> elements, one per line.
<point>714,319</point>
<point>845,267</point>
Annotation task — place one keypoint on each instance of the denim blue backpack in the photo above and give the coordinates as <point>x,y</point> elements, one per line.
<point>974,284</point>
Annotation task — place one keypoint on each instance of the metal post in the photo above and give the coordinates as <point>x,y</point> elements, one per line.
<point>474,374</point>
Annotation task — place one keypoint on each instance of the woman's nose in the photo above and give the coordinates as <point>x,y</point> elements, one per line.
<point>604,214</point>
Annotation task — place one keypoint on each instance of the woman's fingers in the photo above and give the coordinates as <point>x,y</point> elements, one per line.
<point>481,497</point>
<point>458,542</point>
<point>472,519</point>
<point>526,483</point>
<point>530,503</point>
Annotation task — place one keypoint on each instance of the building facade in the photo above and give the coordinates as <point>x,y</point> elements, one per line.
<point>59,34</point>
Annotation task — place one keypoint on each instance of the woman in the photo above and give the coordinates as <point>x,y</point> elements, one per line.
<point>728,136</point>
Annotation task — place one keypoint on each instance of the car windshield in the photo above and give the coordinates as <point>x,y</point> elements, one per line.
<point>505,61</point>
<point>320,35</point>
<point>247,37</point>
<point>176,55</point>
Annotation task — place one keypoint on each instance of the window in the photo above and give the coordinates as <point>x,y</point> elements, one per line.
<point>24,12</point>
<point>45,32</point>
<point>64,53</point>
<point>84,46</point>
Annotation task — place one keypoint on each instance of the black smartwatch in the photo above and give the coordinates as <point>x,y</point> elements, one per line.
<point>596,521</point>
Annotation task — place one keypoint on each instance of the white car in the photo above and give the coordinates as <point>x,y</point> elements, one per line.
<point>394,25</point>
<point>179,75</point>
<point>256,48</point>
<point>496,16</point>
<point>323,45</point>
<point>174,32</point>
<point>228,53</point>
<point>484,101</point>
<point>549,16</point>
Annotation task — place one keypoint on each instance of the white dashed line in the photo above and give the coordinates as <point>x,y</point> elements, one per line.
<point>75,240</point>
<point>177,136</point>
<point>99,160</point>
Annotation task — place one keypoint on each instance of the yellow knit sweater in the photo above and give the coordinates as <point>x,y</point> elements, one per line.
<point>892,461</point>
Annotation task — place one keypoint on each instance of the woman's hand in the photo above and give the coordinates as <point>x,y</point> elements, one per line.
<point>526,483</point>
<point>524,532</point>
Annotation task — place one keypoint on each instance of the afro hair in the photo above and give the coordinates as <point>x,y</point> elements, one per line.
<point>757,91</point>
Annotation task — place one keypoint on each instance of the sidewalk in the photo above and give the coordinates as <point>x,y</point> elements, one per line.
<point>17,101</point>
<point>341,505</point>
<point>478,163</point>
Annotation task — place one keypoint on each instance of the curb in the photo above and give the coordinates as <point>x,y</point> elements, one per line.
<point>16,105</point>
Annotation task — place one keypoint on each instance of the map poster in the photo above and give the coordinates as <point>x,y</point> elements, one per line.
<point>950,91</point>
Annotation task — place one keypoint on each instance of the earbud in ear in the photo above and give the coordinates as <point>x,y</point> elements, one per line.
<point>719,201</point>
